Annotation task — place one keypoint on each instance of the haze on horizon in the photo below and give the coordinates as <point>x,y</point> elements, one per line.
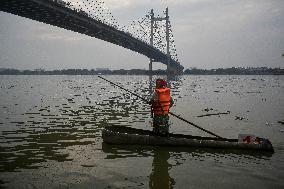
<point>208,34</point>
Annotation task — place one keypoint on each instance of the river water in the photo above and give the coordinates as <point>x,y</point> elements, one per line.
<point>50,132</point>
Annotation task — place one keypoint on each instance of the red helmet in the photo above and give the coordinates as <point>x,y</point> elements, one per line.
<point>161,83</point>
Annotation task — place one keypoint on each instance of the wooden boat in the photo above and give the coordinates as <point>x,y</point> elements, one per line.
<point>129,136</point>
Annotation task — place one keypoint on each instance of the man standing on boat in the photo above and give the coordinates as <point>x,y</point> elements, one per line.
<point>161,102</point>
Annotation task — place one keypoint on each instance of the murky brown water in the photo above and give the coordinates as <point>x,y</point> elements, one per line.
<point>51,132</point>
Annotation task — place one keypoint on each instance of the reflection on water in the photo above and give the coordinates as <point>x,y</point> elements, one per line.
<point>25,149</point>
<point>151,84</point>
<point>51,125</point>
<point>160,177</point>
<point>164,159</point>
<point>57,115</point>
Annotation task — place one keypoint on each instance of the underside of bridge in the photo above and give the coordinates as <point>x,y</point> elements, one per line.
<point>50,12</point>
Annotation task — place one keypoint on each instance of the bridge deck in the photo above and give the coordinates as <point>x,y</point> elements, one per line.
<point>49,12</point>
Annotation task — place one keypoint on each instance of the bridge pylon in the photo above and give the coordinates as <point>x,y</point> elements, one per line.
<point>170,69</point>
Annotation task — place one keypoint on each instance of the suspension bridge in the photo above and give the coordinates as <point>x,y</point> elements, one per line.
<point>151,35</point>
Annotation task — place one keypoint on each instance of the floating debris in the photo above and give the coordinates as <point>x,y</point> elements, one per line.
<point>252,92</point>
<point>282,122</point>
<point>239,118</point>
<point>32,113</point>
<point>88,165</point>
<point>207,109</point>
<point>220,113</point>
<point>17,122</point>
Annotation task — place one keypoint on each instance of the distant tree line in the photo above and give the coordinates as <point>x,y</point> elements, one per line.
<point>80,72</point>
<point>236,71</point>
<point>192,71</point>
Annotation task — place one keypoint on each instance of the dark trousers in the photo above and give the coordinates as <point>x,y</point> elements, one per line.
<point>161,124</point>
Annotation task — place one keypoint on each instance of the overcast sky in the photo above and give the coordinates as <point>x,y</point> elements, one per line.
<point>208,34</point>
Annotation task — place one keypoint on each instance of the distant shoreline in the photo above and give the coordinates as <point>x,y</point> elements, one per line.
<point>193,71</point>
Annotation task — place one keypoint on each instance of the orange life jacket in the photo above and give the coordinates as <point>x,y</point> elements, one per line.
<point>162,106</point>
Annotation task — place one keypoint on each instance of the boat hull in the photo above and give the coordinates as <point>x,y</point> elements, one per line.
<point>119,135</point>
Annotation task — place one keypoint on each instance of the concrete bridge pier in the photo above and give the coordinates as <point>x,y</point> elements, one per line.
<point>150,65</point>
